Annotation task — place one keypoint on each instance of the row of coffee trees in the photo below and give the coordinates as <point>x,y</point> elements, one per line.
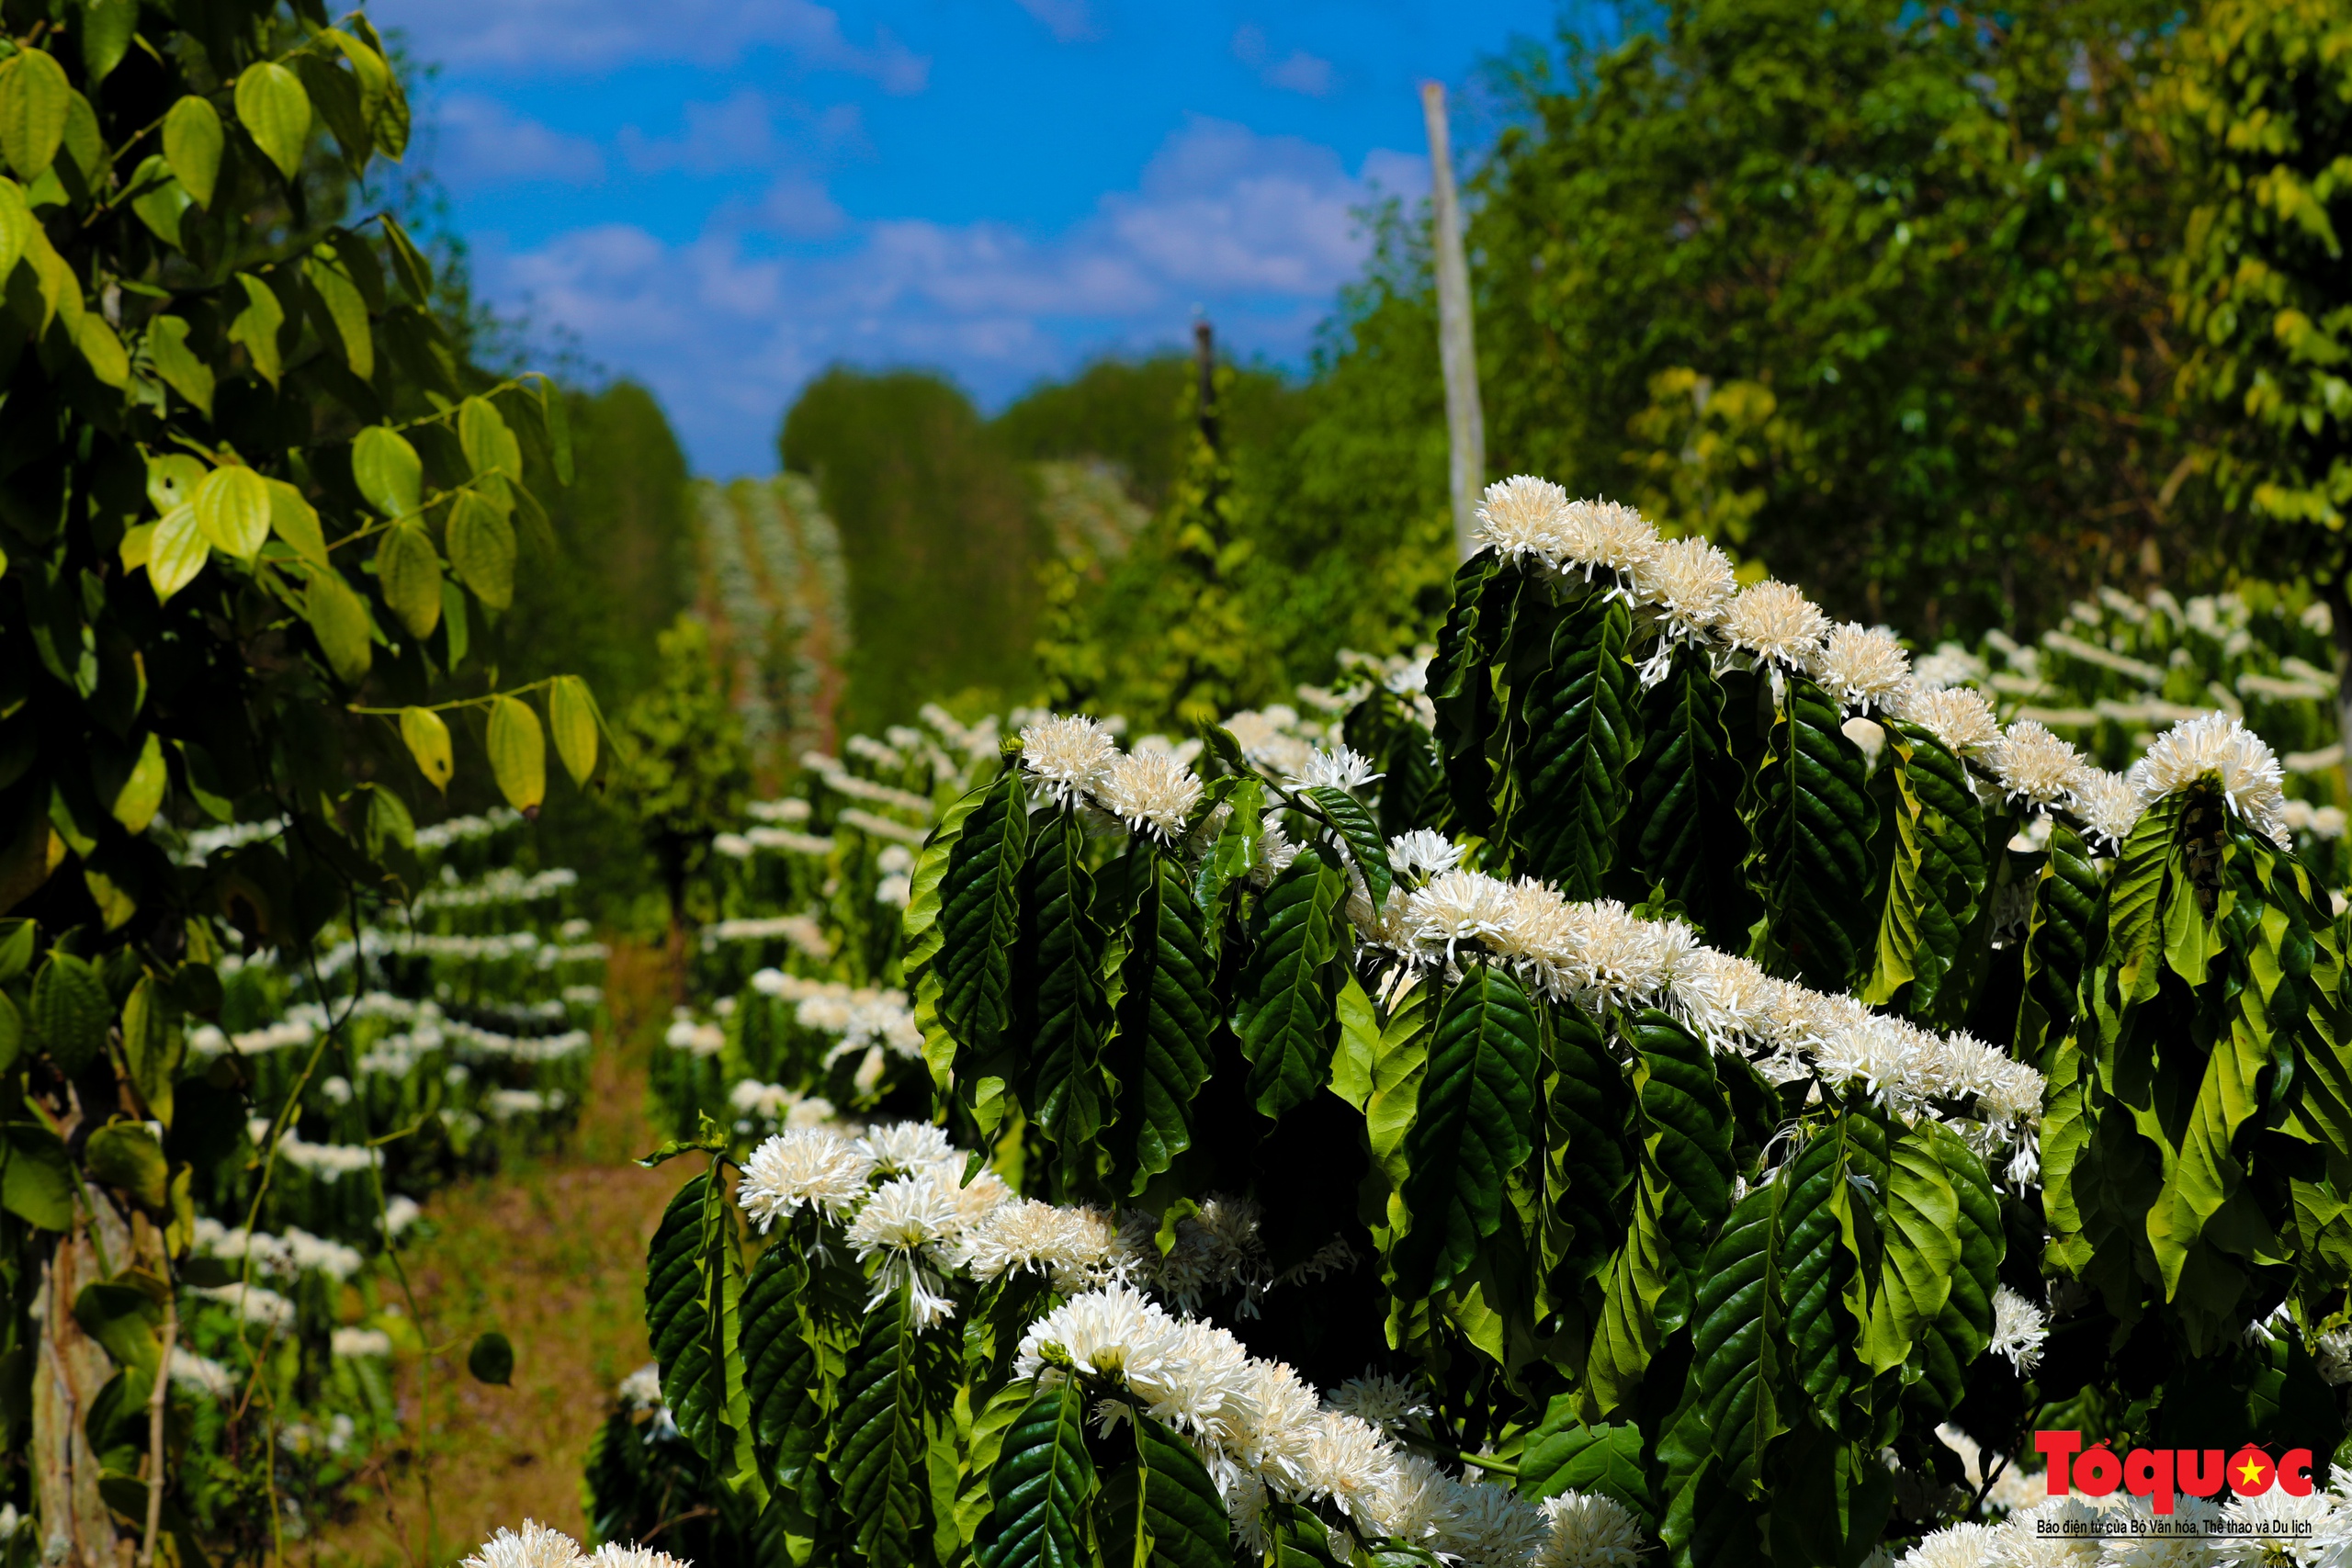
<point>1669,1075</point>
<point>259,522</point>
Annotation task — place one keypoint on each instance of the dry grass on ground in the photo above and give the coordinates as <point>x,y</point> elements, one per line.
<point>551,1252</point>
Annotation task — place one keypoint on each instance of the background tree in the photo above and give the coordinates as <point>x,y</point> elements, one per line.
<point>2262,102</point>
<point>684,772</point>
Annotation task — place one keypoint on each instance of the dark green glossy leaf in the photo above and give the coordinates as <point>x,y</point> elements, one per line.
<point>1346,816</point>
<point>1159,1050</point>
<point>1582,734</point>
<point>1461,688</point>
<point>1283,1015</point>
<point>1058,985</point>
<point>1688,837</point>
<point>1809,821</point>
<point>782,1377</point>
<point>1736,1341</point>
<point>1041,1485</point>
<point>1475,1126</point>
<point>979,917</point>
<point>880,1461</point>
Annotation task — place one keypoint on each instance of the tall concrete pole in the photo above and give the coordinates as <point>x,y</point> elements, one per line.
<point>1465,426</point>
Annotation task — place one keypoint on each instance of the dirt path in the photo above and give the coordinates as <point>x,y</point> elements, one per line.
<point>551,1252</point>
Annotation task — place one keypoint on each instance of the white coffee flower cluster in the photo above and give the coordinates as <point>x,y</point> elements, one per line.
<point>1073,760</point>
<point>295,1252</point>
<point>1690,592</point>
<point>2276,1529</point>
<point>876,1021</point>
<point>1602,955</point>
<point>1265,1434</point>
<point>538,1546</point>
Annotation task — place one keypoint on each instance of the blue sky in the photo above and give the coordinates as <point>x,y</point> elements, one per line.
<point>719,197</point>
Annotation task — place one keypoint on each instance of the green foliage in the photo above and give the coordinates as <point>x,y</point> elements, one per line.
<point>942,552</point>
<point>683,775</point>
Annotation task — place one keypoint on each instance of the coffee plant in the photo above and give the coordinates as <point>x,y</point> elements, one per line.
<point>259,520</point>
<point>1667,1076</point>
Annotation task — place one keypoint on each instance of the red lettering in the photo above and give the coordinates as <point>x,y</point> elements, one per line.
<point>2200,1479</point>
<point>2056,1449</point>
<point>2251,1472</point>
<point>2148,1473</point>
<point>2096,1472</point>
<point>2295,1472</point>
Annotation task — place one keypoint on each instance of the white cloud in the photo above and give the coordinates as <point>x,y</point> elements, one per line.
<point>726,135</point>
<point>1297,71</point>
<point>565,36</point>
<point>1256,229</point>
<point>479,141</point>
<point>1070,21</point>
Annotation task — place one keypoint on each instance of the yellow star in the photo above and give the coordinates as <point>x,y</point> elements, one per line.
<point>2251,1471</point>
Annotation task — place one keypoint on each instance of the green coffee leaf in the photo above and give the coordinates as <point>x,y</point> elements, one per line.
<point>177,364</point>
<point>258,326</point>
<point>1179,1513</point>
<point>1689,839</point>
<point>1346,816</point>
<point>1922,1249</point>
<point>1284,1011</point>
<point>292,519</point>
<point>177,552</point>
<point>492,1359</point>
<point>171,479</point>
<point>1476,1126</point>
<point>408,574</point>
<point>335,96</point>
<point>387,471</point>
<point>159,200</point>
<point>1810,821</point>
<point>107,27</point>
<point>341,309</point>
<point>71,1012</point>
<point>12,1033</point>
<point>103,350</point>
<point>1041,1486</point>
<point>783,1379</point>
<point>1735,1340</point>
<point>1582,724</point>
<point>414,272</point>
<point>192,143</point>
<point>232,508</point>
<point>33,96</point>
<point>428,739</point>
<point>338,618</point>
<point>125,1154</point>
<point>572,714</point>
<point>482,549</point>
<point>141,794</point>
<point>1057,990</point>
<point>17,944</point>
<point>518,754</point>
<point>1159,1050</point>
<point>276,112</point>
<point>391,116</point>
<point>980,913</point>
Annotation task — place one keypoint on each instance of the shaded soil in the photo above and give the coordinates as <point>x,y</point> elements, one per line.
<point>550,1253</point>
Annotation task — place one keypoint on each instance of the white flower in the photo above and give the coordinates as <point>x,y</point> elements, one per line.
<point>2035,766</point>
<point>1385,1401</point>
<point>1274,852</point>
<point>905,1147</point>
<point>1520,517</point>
<point>360,1342</point>
<point>1492,1527</point>
<point>1721,997</point>
<point>2284,1528</point>
<point>1457,906</point>
<point>532,1546</point>
<point>1068,754</point>
<point>612,1554</point>
<point>1588,1529</point>
<point>1861,666</point>
<point>2023,1543</point>
<point>2108,805</point>
<point>2219,748</point>
<point>1201,1384</point>
<point>911,1221</point>
<point>2019,1329</point>
<point>1690,583</point>
<point>2332,1349</point>
<point>1417,1500</point>
<point>1150,793</point>
<point>2169,1549</point>
<point>1775,623</point>
<point>1113,1333</point>
<point>1960,1546</point>
<point>1277,1424</point>
<point>1959,716</point>
<point>814,1166</point>
<point>1346,1460</point>
<point>1072,1247</point>
<point>1423,854</point>
<point>1609,534</point>
<point>1339,768</point>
